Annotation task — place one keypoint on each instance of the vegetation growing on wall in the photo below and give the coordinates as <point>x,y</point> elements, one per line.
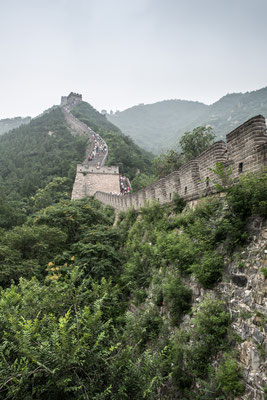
<point>191,144</point>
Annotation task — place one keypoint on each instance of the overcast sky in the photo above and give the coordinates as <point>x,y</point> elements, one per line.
<point>119,53</point>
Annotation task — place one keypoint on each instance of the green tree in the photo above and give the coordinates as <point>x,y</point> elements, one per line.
<point>167,163</point>
<point>194,143</point>
<point>141,181</point>
<point>58,189</point>
<point>229,377</point>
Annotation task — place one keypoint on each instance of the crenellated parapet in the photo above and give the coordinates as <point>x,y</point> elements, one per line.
<point>245,151</point>
<point>71,99</point>
<point>90,179</point>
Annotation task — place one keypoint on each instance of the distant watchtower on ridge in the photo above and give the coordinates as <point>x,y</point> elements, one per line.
<point>71,99</point>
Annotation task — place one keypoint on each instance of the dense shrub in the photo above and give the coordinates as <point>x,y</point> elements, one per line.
<point>178,203</point>
<point>143,326</point>
<point>178,298</point>
<point>229,378</point>
<point>191,351</point>
<point>248,197</point>
<point>103,320</point>
<point>208,270</point>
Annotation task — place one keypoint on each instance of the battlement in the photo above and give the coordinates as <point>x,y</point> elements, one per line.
<point>245,151</point>
<point>71,99</point>
<point>94,169</point>
<point>91,179</point>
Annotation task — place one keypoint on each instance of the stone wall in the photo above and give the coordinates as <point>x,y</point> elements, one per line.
<point>90,179</point>
<point>71,99</point>
<point>91,176</point>
<point>246,146</point>
<point>245,151</point>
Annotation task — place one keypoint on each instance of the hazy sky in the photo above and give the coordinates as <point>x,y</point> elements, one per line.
<point>119,53</point>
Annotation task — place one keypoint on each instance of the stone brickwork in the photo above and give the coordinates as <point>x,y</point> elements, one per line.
<point>246,146</point>
<point>90,179</point>
<point>71,99</point>
<point>245,151</point>
<point>91,176</point>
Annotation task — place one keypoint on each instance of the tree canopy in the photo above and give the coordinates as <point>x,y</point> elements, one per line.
<point>94,310</point>
<point>194,143</point>
<point>191,145</point>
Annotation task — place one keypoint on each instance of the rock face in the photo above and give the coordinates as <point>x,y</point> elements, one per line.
<point>243,288</point>
<point>239,280</point>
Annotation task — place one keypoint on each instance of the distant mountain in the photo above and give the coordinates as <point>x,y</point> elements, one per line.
<point>159,126</point>
<point>8,124</point>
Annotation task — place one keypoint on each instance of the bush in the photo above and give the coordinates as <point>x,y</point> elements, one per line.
<point>127,219</point>
<point>178,298</point>
<point>152,213</point>
<point>208,335</point>
<point>178,249</point>
<point>209,270</point>
<point>137,271</point>
<point>229,378</point>
<point>248,197</point>
<point>143,326</point>
<point>178,203</point>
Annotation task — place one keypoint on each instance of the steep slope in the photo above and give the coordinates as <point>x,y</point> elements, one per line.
<point>164,305</point>
<point>8,124</point>
<point>154,126</point>
<point>232,110</point>
<point>169,303</point>
<point>38,161</point>
<point>122,149</point>
<point>32,155</point>
<point>160,125</point>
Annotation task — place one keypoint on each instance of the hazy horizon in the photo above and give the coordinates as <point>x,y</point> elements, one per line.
<point>121,53</point>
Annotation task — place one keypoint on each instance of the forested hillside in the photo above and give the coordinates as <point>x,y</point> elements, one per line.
<point>159,126</point>
<point>122,149</point>
<point>8,124</point>
<point>31,158</point>
<point>38,160</point>
<point>93,311</point>
<point>135,310</point>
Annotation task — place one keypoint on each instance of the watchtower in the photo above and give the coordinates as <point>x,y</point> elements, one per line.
<point>71,99</point>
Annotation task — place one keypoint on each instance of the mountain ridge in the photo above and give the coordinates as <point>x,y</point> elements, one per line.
<point>7,124</point>
<point>160,125</point>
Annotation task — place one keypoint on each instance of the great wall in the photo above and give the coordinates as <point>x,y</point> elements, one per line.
<point>245,151</point>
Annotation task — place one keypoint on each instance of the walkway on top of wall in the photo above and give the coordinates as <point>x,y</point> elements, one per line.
<point>79,128</point>
<point>245,151</point>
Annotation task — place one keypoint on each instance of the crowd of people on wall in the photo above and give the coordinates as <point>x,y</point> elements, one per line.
<point>98,152</point>
<point>125,186</point>
<point>99,148</point>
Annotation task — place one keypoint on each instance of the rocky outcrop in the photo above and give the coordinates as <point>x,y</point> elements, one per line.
<point>243,288</point>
